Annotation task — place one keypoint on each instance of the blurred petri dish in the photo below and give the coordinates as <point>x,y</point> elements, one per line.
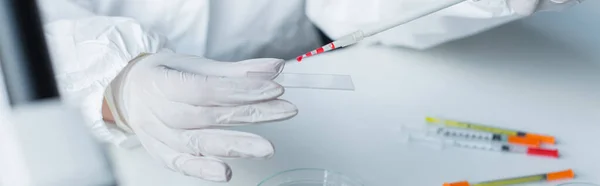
<point>578,184</point>
<point>309,177</point>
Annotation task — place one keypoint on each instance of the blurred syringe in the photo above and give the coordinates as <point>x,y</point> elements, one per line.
<point>545,177</point>
<point>367,32</point>
<point>424,137</point>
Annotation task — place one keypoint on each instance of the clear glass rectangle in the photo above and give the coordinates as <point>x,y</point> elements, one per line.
<point>310,81</point>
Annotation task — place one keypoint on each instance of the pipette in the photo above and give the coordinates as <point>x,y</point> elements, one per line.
<point>422,137</point>
<point>370,31</point>
<point>478,127</point>
<point>482,136</point>
<point>553,176</point>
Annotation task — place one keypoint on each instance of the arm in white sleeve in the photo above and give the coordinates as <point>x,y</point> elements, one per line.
<point>337,18</point>
<point>88,53</point>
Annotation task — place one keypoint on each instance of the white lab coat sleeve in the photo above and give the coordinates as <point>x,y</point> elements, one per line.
<point>54,10</point>
<point>337,18</point>
<point>88,53</point>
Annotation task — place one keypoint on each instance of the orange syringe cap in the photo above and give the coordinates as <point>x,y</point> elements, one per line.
<point>561,175</point>
<point>462,183</point>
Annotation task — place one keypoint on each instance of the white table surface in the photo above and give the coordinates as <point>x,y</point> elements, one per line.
<point>516,76</point>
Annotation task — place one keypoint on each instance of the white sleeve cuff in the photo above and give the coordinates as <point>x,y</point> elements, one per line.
<point>109,132</point>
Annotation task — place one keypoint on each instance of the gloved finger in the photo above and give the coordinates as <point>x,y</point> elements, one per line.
<point>213,142</point>
<point>203,90</point>
<point>199,65</point>
<point>184,116</point>
<point>206,168</point>
<point>229,144</point>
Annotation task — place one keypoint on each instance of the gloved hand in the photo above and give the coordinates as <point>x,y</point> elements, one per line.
<point>177,105</point>
<point>523,7</point>
<point>528,7</point>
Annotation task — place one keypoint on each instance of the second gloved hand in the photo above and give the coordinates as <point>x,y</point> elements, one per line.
<point>528,7</point>
<point>177,105</point>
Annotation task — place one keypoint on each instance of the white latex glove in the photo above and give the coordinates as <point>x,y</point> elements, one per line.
<point>524,7</point>
<point>528,7</point>
<point>176,105</point>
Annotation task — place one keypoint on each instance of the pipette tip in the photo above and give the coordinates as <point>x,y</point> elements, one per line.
<point>319,50</point>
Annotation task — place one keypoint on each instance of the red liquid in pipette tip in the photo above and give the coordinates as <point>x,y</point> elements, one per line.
<point>314,52</point>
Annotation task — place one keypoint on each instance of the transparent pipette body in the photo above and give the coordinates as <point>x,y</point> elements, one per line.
<point>385,25</point>
<point>359,35</point>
